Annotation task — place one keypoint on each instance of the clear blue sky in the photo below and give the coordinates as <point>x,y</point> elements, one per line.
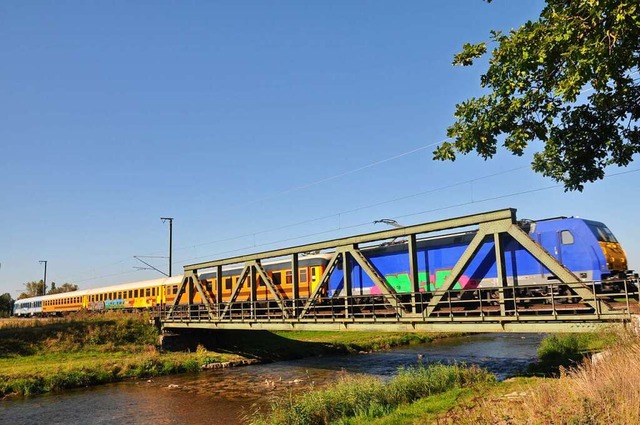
<point>239,118</point>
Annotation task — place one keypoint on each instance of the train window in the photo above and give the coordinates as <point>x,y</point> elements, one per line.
<point>227,283</point>
<point>602,232</point>
<point>153,292</point>
<point>135,293</point>
<point>261,282</point>
<point>303,276</point>
<point>567,237</point>
<point>288,277</point>
<point>313,274</point>
<point>277,278</point>
<point>175,289</point>
<point>147,292</point>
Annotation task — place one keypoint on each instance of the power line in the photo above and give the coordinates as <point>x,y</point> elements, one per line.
<point>360,208</point>
<point>340,227</point>
<point>524,192</point>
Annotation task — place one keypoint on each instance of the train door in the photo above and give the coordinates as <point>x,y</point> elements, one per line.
<point>550,242</point>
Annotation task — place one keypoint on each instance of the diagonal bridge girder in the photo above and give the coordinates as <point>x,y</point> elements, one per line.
<point>502,227</point>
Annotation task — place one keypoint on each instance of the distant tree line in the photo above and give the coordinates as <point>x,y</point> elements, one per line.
<point>35,288</point>
<point>32,289</point>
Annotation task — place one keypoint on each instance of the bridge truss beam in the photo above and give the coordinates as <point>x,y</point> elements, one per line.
<point>391,309</point>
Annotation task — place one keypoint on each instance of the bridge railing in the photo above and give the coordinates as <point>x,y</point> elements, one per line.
<point>548,302</point>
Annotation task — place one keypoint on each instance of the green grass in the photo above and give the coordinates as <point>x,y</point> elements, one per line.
<point>362,399</point>
<point>297,344</point>
<point>564,350</point>
<point>424,410</point>
<point>84,350</point>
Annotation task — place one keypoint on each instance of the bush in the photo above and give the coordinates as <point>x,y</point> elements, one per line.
<point>568,349</point>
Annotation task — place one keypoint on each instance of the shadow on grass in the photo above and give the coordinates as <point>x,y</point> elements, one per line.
<point>255,344</point>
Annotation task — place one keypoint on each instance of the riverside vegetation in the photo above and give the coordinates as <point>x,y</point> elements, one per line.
<point>51,354</point>
<point>571,390</point>
<point>41,355</point>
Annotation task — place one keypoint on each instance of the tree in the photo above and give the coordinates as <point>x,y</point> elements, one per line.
<point>32,289</point>
<point>6,305</point>
<point>67,287</point>
<point>538,79</point>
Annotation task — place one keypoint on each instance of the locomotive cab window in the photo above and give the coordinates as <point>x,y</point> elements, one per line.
<point>566,237</point>
<point>602,232</point>
<point>303,276</point>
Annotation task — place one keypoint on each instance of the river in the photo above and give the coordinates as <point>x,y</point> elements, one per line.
<point>223,396</point>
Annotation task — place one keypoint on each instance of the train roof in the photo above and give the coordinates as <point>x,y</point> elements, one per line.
<point>29,300</point>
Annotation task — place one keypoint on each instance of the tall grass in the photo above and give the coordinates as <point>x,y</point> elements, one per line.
<point>565,350</point>
<point>602,392</point>
<point>108,332</point>
<point>370,397</point>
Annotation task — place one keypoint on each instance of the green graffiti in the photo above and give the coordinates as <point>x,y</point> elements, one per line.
<point>402,283</point>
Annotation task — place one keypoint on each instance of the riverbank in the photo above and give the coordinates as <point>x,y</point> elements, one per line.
<point>46,355</point>
<point>39,356</point>
<point>584,392</point>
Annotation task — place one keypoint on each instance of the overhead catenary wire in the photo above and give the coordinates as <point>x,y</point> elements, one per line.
<point>524,192</point>
<point>354,226</point>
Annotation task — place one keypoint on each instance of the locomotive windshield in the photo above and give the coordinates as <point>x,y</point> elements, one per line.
<point>602,233</point>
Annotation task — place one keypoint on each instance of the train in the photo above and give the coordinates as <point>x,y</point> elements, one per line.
<point>585,247</point>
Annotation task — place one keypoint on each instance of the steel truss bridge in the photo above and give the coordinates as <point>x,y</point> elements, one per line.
<point>564,304</point>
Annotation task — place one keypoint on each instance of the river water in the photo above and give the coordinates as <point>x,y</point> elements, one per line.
<point>224,396</point>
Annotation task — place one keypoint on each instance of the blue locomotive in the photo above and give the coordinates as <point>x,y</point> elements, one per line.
<point>587,248</point>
